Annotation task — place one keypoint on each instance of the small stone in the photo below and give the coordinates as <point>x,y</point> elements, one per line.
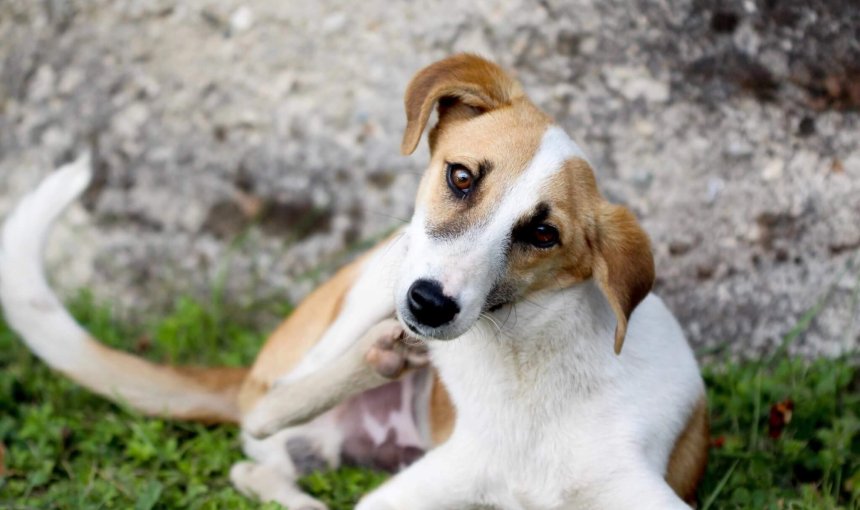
<point>739,149</point>
<point>634,83</point>
<point>642,178</point>
<point>715,186</point>
<point>773,170</point>
<point>131,120</point>
<point>57,141</point>
<point>588,45</point>
<point>70,80</point>
<point>644,128</point>
<point>241,20</point>
<point>42,86</point>
<point>837,167</point>
<point>334,23</point>
<point>678,247</point>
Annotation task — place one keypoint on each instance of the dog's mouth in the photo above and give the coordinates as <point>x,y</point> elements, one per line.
<point>427,333</point>
<point>502,294</point>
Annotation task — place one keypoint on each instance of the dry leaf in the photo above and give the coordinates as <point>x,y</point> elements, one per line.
<point>2,460</point>
<point>143,344</point>
<point>837,167</point>
<point>780,416</point>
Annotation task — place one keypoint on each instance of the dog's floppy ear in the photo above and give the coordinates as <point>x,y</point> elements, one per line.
<point>623,264</point>
<point>461,80</point>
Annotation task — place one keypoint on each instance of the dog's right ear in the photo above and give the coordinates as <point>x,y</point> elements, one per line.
<point>464,85</point>
<point>624,264</point>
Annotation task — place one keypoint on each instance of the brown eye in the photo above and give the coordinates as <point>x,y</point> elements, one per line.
<point>544,236</point>
<point>460,179</point>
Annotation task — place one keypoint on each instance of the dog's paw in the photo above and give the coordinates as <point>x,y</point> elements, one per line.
<point>265,483</point>
<point>394,352</point>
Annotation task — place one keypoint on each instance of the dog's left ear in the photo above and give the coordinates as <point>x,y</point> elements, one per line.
<point>464,84</point>
<point>623,264</point>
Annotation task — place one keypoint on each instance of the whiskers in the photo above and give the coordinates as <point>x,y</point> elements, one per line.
<point>404,221</point>
<point>534,303</point>
<point>494,322</point>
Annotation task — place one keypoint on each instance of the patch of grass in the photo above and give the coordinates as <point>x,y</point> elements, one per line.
<point>789,432</point>
<point>65,448</point>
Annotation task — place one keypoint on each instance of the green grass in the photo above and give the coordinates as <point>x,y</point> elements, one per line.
<point>65,448</point>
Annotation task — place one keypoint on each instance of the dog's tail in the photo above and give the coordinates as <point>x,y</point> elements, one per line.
<point>34,312</point>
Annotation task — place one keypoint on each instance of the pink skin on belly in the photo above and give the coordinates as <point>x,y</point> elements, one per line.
<point>380,426</point>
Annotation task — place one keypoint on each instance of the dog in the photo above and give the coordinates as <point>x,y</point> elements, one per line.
<point>477,352</point>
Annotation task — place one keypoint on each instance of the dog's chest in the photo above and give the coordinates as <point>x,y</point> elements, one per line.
<point>540,415</point>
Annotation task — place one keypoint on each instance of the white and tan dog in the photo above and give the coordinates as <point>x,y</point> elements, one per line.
<point>518,276</point>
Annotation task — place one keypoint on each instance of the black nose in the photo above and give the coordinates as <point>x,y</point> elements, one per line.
<point>429,305</point>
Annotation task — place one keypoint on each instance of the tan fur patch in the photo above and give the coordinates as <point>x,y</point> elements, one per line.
<point>571,197</point>
<point>598,239</point>
<point>690,455</point>
<point>469,83</point>
<point>442,413</point>
<point>226,381</point>
<point>505,140</point>
<point>624,268</point>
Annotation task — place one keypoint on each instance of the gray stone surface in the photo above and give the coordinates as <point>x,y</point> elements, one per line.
<point>254,143</point>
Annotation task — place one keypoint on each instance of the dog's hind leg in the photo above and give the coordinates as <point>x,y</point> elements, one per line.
<point>278,461</point>
<point>268,483</point>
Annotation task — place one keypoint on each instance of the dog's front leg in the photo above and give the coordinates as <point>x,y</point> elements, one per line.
<point>379,357</point>
<point>368,302</point>
<point>639,488</point>
<point>444,479</point>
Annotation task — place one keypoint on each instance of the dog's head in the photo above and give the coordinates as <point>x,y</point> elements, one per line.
<point>507,207</point>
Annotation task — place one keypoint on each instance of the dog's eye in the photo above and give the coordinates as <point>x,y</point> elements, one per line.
<point>460,179</point>
<point>544,236</point>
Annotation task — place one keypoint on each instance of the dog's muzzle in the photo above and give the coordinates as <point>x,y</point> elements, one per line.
<point>429,306</point>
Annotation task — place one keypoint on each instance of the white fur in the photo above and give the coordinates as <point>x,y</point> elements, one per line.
<point>29,304</point>
<point>548,417</point>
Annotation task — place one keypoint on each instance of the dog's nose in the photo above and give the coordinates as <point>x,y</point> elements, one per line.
<point>429,305</point>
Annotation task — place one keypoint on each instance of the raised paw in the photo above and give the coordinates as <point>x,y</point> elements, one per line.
<point>394,352</point>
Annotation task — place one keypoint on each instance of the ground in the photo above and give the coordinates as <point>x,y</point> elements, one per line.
<point>785,432</point>
<point>263,137</point>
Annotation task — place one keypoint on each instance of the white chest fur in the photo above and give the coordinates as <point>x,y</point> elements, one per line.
<point>547,409</point>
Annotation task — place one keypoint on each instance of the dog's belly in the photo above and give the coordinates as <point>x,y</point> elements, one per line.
<point>385,427</point>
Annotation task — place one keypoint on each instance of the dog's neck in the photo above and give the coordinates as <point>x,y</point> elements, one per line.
<point>555,343</point>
